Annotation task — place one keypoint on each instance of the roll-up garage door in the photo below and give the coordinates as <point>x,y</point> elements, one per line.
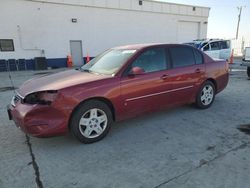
<point>187,31</point>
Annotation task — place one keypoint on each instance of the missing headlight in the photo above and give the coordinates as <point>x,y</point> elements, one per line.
<point>41,97</point>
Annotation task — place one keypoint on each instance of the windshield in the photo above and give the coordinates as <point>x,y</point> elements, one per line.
<point>108,62</point>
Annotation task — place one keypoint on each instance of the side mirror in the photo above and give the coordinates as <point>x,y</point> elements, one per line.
<point>136,71</point>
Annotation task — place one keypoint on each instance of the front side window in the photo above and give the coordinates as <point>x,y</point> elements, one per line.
<point>108,62</point>
<point>182,56</point>
<point>203,44</point>
<point>215,46</point>
<point>151,60</point>
<point>206,47</point>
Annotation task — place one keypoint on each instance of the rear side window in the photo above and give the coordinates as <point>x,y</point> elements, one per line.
<point>182,56</point>
<point>152,60</point>
<point>215,46</point>
<point>198,57</point>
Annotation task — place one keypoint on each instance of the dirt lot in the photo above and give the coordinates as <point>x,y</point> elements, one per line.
<point>182,147</point>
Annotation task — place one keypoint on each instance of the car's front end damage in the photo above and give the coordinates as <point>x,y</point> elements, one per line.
<point>42,106</point>
<point>41,114</point>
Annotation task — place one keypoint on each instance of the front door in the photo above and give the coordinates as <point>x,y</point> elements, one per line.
<point>150,90</point>
<point>214,50</point>
<point>76,52</point>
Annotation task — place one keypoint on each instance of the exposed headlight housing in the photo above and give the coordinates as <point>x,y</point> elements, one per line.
<point>41,97</point>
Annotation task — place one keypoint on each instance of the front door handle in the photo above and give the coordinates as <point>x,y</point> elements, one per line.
<point>164,77</point>
<point>197,70</point>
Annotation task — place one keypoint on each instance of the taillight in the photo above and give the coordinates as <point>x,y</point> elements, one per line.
<point>227,66</point>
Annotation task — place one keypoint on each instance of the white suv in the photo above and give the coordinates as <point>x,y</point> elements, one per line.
<point>215,48</point>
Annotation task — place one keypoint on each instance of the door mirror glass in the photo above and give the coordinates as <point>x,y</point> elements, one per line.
<point>136,71</point>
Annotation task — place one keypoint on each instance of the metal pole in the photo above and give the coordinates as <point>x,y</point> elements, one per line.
<point>237,32</point>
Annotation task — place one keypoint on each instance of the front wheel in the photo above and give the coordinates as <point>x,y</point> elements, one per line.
<point>91,121</point>
<point>205,96</point>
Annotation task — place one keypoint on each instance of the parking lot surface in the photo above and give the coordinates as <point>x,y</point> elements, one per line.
<point>182,147</point>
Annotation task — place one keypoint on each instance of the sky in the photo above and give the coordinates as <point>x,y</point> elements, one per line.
<point>223,17</point>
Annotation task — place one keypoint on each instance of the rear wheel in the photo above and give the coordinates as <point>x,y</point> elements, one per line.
<point>205,96</point>
<point>248,72</point>
<point>91,121</point>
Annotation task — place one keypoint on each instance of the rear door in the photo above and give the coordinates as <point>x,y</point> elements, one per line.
<point>148,91</point>
<point>187,73</point>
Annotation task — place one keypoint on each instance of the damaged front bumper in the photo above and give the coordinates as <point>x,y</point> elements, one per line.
<point>39,120</point>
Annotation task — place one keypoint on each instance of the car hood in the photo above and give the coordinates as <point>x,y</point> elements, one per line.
<point>58,81</point>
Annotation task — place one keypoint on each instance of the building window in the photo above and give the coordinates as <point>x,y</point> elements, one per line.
<point>7,45</point>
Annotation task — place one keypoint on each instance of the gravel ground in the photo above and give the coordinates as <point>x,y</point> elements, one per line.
<point>182,147</point>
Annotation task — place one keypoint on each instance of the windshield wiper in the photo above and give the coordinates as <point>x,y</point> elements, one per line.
<point>84,70</point>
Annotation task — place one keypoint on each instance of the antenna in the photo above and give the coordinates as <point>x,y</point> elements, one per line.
<point>11,81</point>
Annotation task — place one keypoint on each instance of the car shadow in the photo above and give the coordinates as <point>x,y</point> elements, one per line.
<point>118,129</point>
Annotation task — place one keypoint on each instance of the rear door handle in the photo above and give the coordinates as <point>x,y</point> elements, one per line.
<point>164,77</point>
<point>197,70</point>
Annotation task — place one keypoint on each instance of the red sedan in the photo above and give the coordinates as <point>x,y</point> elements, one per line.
<point>120,83</point>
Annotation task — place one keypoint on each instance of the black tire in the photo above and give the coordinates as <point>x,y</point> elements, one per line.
<point>200,103</point>
<point>84,108</point>
<point>248,72</point>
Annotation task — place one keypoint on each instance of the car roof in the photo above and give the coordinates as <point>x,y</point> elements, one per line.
<point>142,46</point>
<point>213,40</point>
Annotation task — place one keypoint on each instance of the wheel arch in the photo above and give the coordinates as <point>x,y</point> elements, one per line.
<point>101,99</point>
<point>214,82</point>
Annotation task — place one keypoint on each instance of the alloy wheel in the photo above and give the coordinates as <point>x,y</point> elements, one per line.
<point>93,123</point>
<point>207,95</point>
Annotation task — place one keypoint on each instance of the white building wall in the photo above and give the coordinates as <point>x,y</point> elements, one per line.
<point>45,27</point>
